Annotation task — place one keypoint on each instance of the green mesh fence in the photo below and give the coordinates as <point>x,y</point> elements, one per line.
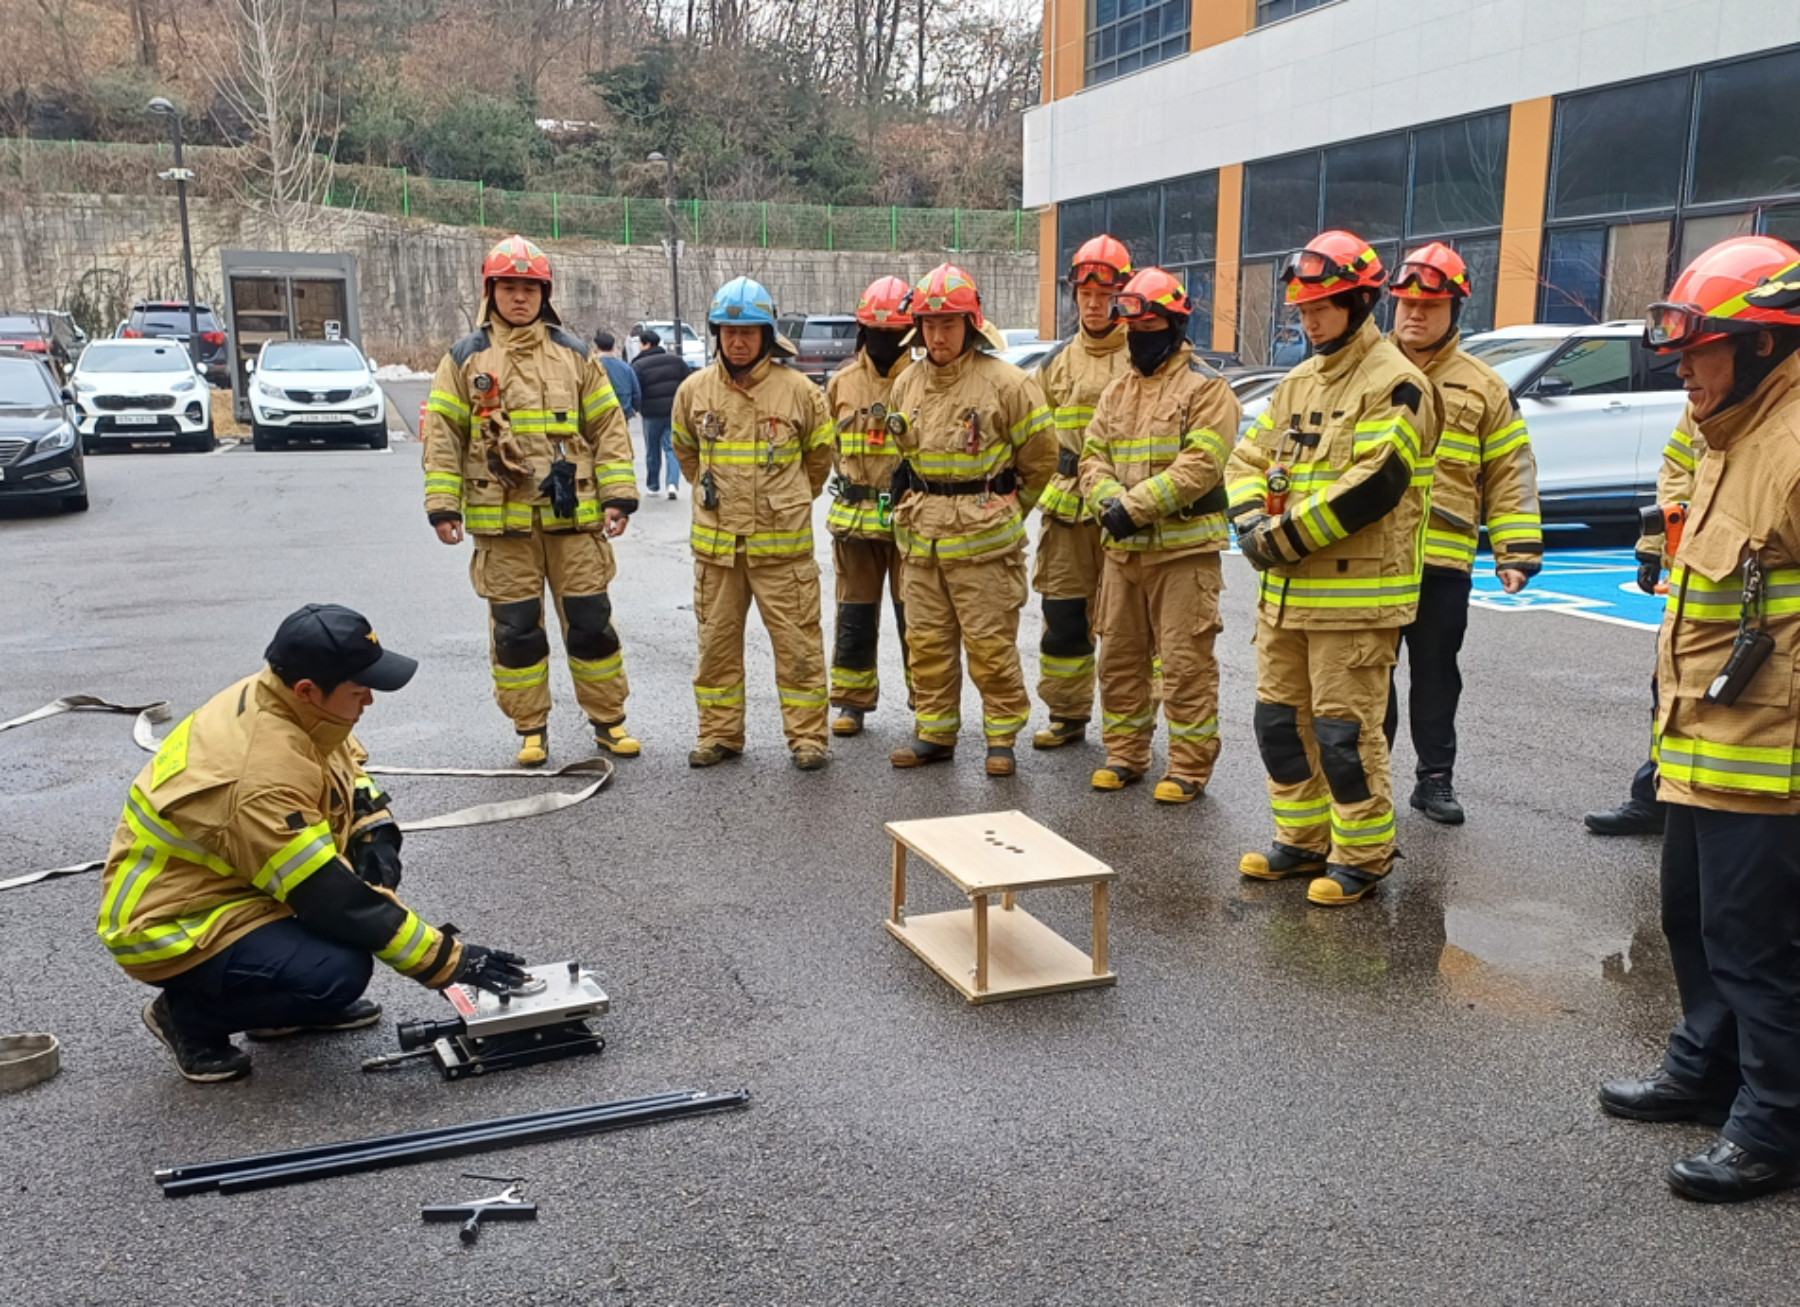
<point>87,167</point>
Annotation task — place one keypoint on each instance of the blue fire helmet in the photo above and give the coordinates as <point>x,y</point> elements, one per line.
<point>742,302</point>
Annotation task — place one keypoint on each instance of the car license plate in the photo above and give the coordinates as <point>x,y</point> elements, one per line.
<point>136,420</point>
<point>318,417</point>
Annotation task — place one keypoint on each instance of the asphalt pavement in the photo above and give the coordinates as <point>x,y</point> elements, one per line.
<point>1389,1103</point>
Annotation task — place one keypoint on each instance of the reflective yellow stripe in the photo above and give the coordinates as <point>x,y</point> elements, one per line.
<point>1161,488</point>
<point>1504,441</point>
<point>937,723</point>
<point>1074,417</point>
<point>1247,489</point>
<point>597,669</point>
<point>955,465</point>
<point>1747,768</point>
<point>1702,600</point>
<point>1301,813</point>
<point>1454,545</point>
<point>1370,592</point>
<point>1193,732</point>
<point>1395,431</point>
<point>819,436</point>
<point>598,402</point>
<point>587,513</point>
<point>294,861</point>
<point>719,696</point>
<point>861,518</point>
<point>1037,420</point>
<point>1459,447</point>
<point>792,697</point>
<point>443,483</point>
<point>1066,668</point>
<point>711,542</point>
<point>848,678</point>
<point>1059,503</point>
<point>998,727</point>
<point>521,678</point>
<point>408,945</point>
<point>168,939</point>
<point>1132,723</point>
<point>1318,521</point>
<point>450,408</point>
<point>992,540</point>
<point>1363,831</point>
<point>1509,528</point>
<point>1174,533</point>
<point>751,453</point>
<point>1680,450</point>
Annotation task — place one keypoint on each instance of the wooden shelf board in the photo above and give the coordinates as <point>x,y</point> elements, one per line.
<point>988,852</point>
<point>1024,955</point>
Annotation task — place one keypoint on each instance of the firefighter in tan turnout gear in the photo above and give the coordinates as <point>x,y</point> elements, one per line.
<point>1328,492</point>
<point>754,440</point>
<point>252,874</point>
<point>1066,569</point>
<point>865,453</point>
<point>1728,733</point>
<point>1485,475</point>
<point>526,450</point>
<point>1153,470</point>
<point>978,451</point>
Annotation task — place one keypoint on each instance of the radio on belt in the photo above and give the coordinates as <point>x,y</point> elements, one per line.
<point>541,1021</point>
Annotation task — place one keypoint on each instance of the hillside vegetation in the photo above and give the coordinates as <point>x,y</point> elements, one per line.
<point>887,102</point>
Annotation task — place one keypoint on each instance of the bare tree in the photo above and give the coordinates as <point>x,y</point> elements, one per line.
<point>273,91</point>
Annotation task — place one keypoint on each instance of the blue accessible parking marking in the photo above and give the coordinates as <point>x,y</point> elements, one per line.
<point>1598,584</point>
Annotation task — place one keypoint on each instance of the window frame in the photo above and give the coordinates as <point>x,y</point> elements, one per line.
<point>1167,45</point>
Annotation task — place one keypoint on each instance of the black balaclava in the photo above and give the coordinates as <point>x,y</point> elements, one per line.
<point>1750,370</point>
<point>1361,302</point>
<point>768,347</point>
<point>1149,350</point>
<point>883,347</point>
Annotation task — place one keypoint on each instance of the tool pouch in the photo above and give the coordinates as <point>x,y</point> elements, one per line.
<point>1750,650</point>
<point>709,491</point>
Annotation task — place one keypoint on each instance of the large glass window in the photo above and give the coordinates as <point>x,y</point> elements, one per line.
<point>1637,267</point>
<point>1747,137</point>
<point>1256,311</point>
<point>1199,282</point>
<point>1459,175</point>
<point>1190,219</point>
<point>1134,217</point>
<point>1365,187</point>
<point>1574,267</point>
<point>1269,11</point>
<point>1620,149</point>
<point>1126,35</point>
<point>1281,204</point>
<point>1482,257</point>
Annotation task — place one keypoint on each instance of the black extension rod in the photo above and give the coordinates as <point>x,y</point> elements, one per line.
<point>604,1117</point>
<point>286,1156</point>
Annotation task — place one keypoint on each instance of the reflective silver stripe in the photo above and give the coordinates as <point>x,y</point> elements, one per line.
<point>393,953</point>
<point>162,831</point>
<point>123,887</point>
<point>1695,754</point>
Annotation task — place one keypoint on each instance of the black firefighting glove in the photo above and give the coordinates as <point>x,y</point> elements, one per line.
<point>1116,518</point>
<point>1254,536</point>
<point>559,488</point>
<point>1649,572</point>
<point>491,969</point>
<point>377,858</point>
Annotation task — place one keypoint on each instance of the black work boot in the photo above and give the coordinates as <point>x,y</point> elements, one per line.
<point>1340,885</point>
<point>1281,862</point>
<point>204,1062</point>
<point>1000,760</point>
<point>1434,797</point>
<point>849,721</point>
<point>1061,731</point>
<point>1632,817</point>
<point>916,753</point>
<point>1659,1096</point>
<point>363,1012</point>
<point>1727,1173</point>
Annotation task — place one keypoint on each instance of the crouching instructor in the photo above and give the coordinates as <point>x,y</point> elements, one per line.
<point>253,871</point>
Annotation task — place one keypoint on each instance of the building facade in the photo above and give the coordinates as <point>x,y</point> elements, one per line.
<point>1575,152</point>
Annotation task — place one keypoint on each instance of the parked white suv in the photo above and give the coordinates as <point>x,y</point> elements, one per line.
<point>141,390</point>
<point>315,389</point>
<point>1599,407</point>
<point>693,345</point>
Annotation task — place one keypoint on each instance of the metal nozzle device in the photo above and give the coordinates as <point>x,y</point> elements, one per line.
<point>540,1021</point>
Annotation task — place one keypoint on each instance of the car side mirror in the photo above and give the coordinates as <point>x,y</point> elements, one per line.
<point>1551,388</point>
<point>249,366</point>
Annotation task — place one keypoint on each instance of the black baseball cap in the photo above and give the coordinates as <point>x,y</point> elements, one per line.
<point>330,644</point>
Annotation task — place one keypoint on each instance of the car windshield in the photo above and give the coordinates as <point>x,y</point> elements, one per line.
<point>827,330</point>
<point>1513,357</point>
<point>176,319</point>
<point>101,357</point>
<point>312,356</point>
<point>25,384</point>
<point>20,324</point>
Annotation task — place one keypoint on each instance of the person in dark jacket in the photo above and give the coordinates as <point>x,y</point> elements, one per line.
<point>660,374</point>
<point>618,371</point>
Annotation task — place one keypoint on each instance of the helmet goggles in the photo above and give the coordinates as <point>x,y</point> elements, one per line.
<point>1422,280</point>
<point>1095,274</point>
<point>1311,268</point>
<point>1670,327</point>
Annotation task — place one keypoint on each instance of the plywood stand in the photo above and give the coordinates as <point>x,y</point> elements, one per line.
<point>1009,953</point>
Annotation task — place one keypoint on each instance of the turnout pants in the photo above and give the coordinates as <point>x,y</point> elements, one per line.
<point>1731,912</point>
<point>864,568</point>
<point>973,607</point>
<point>510,572</point>
<point>1320,699</point>
<point>1145,604</point>
<point>1432,643</point>
<point>280,974</point>
<point>1066,572</point>
<point>786,593</point>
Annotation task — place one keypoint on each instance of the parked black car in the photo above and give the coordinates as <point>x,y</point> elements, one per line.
<point>40,457</point>
<point>168,320</point>
<point>51,336</point>
<point>824,341</point>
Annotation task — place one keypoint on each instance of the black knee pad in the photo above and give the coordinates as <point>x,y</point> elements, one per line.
<point>519,639</point>
<point>591,633</point>
<point>1066,632</point>
<point>853,642</point>
<point>1278,740</point>
<point>1340,758</point>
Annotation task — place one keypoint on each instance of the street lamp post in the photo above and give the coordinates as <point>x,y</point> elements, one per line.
<point>657,156</point>
<point>181,176</point>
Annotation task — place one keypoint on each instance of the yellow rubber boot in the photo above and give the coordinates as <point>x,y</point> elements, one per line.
<point>1115,776</point>
<point>534,748</point>
<point>849,721</point>
<point>1339,886</point>
<point>1171,789</point>
<point>1281,862</point>
<point>613,739</point>
<point>1061,731</point>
